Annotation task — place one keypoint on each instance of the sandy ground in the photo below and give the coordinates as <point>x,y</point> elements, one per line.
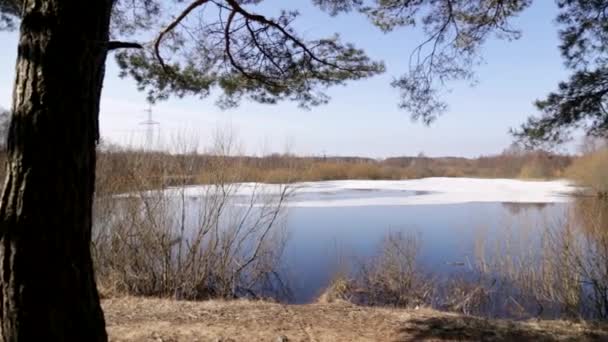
<point>159,320</point>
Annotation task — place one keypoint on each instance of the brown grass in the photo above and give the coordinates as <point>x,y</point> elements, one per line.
<point>589,171</point>
<point>559,270</point>
<point>168,169</point>
<point>139,319</point>
<point>390,278</point>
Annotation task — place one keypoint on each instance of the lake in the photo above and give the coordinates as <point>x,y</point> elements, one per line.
<point>492,247</point>
<point>332,223</point>
<point>329,222</point>
<point>320,238</point>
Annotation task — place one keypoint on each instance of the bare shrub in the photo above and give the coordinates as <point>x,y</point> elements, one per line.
<point>564,274</point>
<point>341,287</point>
<point>327,171</point>
<point>223,239</point>
<point>584,245</point>
<point>391,278</point>
<point>558,269</point>
<point>533,170</point>
<point>465,295</point>
<point>589,171</point>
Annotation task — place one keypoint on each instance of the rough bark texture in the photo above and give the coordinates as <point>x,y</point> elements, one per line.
<point>48,290</point>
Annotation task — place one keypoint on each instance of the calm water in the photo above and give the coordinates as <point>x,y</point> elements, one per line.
<point>321,238</point>
<point>336,226</point>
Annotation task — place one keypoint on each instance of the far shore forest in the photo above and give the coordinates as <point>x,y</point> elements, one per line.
<point>115,164</point>
<point>176,169</point>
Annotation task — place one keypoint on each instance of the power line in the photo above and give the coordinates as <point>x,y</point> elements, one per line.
<point>149,123</point>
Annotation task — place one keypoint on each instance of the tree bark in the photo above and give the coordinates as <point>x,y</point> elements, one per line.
<point>48,290</point>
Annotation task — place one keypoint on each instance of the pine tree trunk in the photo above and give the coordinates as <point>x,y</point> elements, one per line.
<point>48,290</point>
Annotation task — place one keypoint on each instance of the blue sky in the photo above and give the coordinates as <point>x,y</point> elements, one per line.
<point>362,118</point>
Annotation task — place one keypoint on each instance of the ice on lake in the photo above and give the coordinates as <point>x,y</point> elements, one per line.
<point>426,191</point>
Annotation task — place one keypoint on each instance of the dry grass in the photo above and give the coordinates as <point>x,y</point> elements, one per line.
<point>589,171</point>
<point>286,168</point>
<point>560,270</point>
<point>390,278</point>
<point>139,319</point>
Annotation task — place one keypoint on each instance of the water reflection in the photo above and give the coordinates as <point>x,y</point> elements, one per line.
<point>492,259</point>
<point>320,237</point>
<point>516,208</point>
<point>590,212</point>
<point>555,270</point>
<point>495,259</point>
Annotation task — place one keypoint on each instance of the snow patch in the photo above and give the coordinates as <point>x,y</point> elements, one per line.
<point>426,191</point>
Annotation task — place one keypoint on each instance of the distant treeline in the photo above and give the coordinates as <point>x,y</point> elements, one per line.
<point>168,169</point>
